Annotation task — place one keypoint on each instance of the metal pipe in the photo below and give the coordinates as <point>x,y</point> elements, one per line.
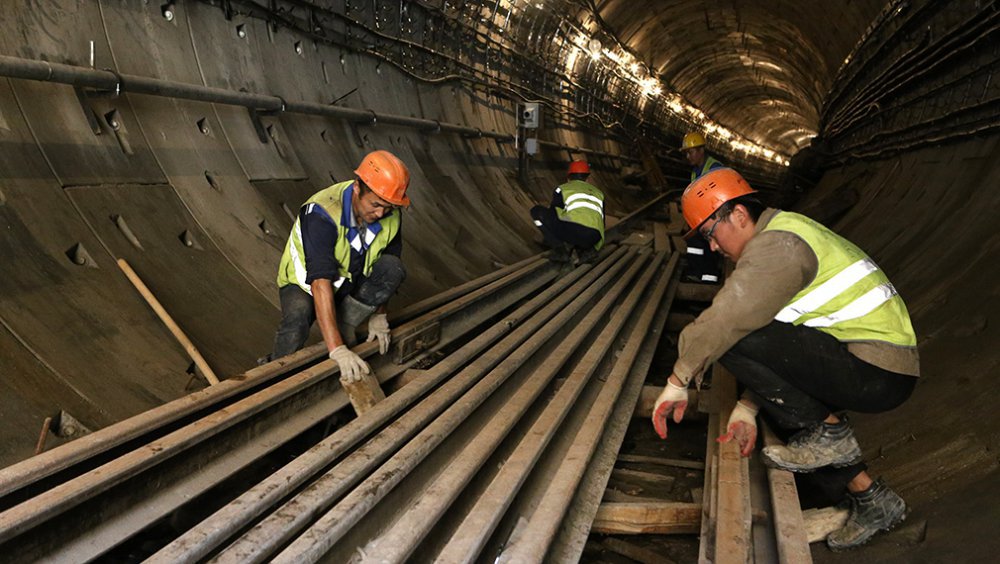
<point>271,533</point>
<point>321,536</point>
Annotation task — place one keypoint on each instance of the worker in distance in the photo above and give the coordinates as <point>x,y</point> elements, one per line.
<point>574,221</point>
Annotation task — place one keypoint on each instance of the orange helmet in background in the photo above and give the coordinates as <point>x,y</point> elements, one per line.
<point>579,167</point>
<point>386,175</point>
<point>705,195</point>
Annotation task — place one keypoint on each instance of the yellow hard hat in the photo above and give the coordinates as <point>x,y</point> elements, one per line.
<point>692,140</point>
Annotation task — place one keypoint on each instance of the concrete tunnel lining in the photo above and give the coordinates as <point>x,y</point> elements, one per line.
<point>79,339</point>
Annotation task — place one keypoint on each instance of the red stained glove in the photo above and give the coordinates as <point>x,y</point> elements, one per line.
<point>673,399</point>
<point>742,427</point>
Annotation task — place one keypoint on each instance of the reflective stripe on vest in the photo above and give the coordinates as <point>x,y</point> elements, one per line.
<point>850,298</point>
<point>583,204</point>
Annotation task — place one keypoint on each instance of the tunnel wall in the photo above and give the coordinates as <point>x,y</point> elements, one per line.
<point>199,198</point>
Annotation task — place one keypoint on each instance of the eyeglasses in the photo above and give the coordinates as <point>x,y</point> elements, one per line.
<point>711,232</point>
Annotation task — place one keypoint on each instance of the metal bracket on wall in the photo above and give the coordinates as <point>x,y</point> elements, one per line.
<point>258,125</point>
<point>411,345</point>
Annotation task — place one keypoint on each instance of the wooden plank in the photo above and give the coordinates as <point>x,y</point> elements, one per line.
<point>635,552</point>
<point>649,477</point>
<point>364,394</point>
<point>679,243</point>
<point>661,241</point>
<point>655,517</point>
<point>733,520</point>
<point>706,542</point>
<point>789,525</point>
<point>692,464</point>
<point>821,522</point>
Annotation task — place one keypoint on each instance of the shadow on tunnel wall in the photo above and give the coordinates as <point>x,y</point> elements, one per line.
<point>199,199</point>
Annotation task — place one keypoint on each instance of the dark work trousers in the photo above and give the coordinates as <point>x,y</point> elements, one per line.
<point>702,265</point>
<point>556,232</point>
<point>799,376</point>
<point>298,312</point>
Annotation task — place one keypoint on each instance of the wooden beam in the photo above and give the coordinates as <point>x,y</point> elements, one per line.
<point>649,477</point>
<point>821,522</point>
<point>655,517</point>
<point>363,394</point>
<point>733,519</point>
<point>661,241</point>
<point>789,525</point>
<point>691,464</point>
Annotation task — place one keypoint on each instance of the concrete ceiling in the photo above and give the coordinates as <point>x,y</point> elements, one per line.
<point>759,68</point>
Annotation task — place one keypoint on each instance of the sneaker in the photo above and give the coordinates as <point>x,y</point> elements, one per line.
<point>588,255</point>
<point>561,254</point>
<point>876,509</point>
<point>822,444</point>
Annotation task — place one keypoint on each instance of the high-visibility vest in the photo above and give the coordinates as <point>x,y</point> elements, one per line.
<point>850,298</point>
<point>584,204</point>
<point>292,269</point>
<point>710,163</point>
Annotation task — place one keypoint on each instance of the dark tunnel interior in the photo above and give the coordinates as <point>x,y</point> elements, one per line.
<point>182,136</point>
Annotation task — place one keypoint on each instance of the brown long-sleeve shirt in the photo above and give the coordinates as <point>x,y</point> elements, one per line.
<point>772,269</point>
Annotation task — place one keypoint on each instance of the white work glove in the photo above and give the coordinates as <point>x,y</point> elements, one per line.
<point>673,399</point>
<point>378,327</point>
<point>352,368</point>
<point>742,426</point>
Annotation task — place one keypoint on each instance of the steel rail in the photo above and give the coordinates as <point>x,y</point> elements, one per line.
<point>543,524</point>
<point>32,470</point>
<point>282,525</point>
<point>575,527</point>
<point>475,530</point>
<point>321,536</point>
<point>199,541</point>
<point>398,542</point>
<point>56,500</point>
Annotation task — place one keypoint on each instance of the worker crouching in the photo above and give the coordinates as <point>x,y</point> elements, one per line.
<point>574,221</point>
<point>342,263</point>
<point>809,325</point>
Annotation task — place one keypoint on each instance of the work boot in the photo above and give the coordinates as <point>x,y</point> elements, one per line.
<point>588,255</point>
<point>876,509</point>
<point>350,314</point>
<point>822,444</point>
<point>561,254</point>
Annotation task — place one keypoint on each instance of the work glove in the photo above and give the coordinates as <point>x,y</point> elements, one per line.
<point>352,368</point>
<point>742,426</point>
<point>673,399</point>
<point>378,327</point>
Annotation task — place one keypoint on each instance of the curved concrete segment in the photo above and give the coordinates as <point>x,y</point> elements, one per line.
<point>199,196</point>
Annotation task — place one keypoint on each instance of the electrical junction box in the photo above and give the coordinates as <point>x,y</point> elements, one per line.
<point>531,115</point>
<point>531,146</point>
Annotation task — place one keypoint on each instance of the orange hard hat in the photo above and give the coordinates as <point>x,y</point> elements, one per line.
<point>707,194</point>
<point>386,175</point>
<point>692,140</point>
<point>579,167</point>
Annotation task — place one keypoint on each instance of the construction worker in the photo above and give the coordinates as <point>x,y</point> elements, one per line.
<point>342,263</point>
<point>809,325</point>
<point>575,219</point>
<point>702,264</point>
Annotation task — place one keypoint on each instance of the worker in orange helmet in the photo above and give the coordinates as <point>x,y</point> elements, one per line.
<point>342,263</point>
<point>810,326</point>
<point>574,221</point>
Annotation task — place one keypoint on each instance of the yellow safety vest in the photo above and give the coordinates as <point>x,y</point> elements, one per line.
<point>583,203</point>
<point>850,298</point>
<point>292,269</point>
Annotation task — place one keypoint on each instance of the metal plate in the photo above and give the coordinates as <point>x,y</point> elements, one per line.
<point>229,322</point>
